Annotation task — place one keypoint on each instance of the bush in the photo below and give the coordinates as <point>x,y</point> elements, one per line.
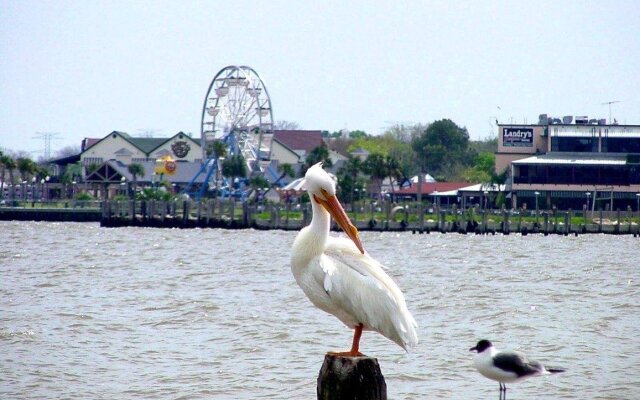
<point>84,196</point>
<point>154,194</point>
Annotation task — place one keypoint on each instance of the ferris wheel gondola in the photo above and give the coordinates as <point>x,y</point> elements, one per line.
<point>238,104</point>
<point>237,110</point>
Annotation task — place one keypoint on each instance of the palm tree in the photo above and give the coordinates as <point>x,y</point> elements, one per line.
<point>10,164</point>
<point>394,172</point>
<point>285,170</point>
<point>26,166</point>
<point>376,166</point>
<point>135,170</point>
<point>352,168</point>
<point>3,170</point>
<point>318,154</point>
<point>218,148</point>
<point>234,167</point>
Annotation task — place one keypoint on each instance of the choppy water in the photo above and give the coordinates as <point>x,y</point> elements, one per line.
<point>94,313</point>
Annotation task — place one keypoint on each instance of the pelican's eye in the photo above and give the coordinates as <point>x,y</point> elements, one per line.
<point>325,193</point>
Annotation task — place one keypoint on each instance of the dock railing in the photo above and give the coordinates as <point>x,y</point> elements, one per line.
<point>379,216</point>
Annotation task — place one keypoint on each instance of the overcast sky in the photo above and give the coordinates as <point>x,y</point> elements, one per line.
<point>86,68</point>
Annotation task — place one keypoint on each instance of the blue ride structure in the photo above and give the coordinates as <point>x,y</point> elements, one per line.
<point>237,112</point>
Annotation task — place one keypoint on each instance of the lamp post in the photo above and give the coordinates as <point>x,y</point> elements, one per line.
<point>638,199</point>
<point>33,193</point>
<point>486,193</point>
<point>42,190</point>
<point>371,209</point>
<point>364,198</point>
<point>46,180</point>
<point>123,184</point>
<point>537,194</point>
<point>73,192</point>
<point>588,200</point>
<point>355,200</point>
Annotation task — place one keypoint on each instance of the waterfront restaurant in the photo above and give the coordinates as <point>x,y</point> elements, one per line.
<point>566,164</point>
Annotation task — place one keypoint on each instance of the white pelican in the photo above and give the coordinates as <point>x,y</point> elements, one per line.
<point>340,278</point>
<point>506,366</point>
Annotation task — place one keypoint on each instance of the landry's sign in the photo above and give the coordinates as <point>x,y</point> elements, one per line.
<point>517,137</point>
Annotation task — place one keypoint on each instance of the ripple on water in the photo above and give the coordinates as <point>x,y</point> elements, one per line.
<point>155,314</point>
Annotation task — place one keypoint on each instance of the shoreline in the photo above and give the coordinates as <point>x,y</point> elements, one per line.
<point>171,215</point>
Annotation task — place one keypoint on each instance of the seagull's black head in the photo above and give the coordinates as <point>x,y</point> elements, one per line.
<point>481,346</point>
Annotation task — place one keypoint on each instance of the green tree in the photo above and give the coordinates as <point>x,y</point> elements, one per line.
<point>486,145</point>
<point>348,176</point>
<point>26,167</point>
<point>285,170</point>
<point>7,164</point>
<point>393,171</point>
<point>482,170</point>
<point>376,167</point>
<point>357,134</point>
<point>318,154</point>
<point>442,149</point>
<point>234,167</point>
<point>258,182</point>
<point>217,148</point>
<point>405,157</point>
<point>372,144</point>
<point>136,170</point>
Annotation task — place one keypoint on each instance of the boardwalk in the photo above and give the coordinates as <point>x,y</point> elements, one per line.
<point>386,217</point>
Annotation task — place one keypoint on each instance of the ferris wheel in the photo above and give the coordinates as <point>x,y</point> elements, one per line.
<point>237,109</point>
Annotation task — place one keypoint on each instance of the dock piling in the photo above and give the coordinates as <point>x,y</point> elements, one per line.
<point>350,378</point>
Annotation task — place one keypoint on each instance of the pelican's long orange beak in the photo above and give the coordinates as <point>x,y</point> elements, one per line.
<point>333,206</point>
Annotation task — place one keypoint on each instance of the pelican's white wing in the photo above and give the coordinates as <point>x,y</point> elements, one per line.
<point>361,292</point>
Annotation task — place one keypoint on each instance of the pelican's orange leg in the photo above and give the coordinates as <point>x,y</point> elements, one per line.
<point>355,346</point>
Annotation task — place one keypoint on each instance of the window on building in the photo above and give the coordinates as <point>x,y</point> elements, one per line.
<point>621,145</point>
<point>92,160</point>
<point>560,174</point>
<point>574,144</point>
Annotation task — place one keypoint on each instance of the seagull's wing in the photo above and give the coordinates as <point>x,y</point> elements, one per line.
<point>513,361</point>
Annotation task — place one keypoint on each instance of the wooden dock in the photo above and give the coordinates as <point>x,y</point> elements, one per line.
<point>228,214</point>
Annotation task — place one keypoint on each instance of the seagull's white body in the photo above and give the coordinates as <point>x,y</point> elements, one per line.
<point>484,364</point>
<point>506,366</point>
<point>343,281</point>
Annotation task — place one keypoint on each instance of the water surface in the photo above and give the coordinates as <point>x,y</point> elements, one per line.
<point>131,313</point>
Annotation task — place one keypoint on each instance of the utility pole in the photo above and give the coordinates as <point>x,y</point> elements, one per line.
<point>47,136</point>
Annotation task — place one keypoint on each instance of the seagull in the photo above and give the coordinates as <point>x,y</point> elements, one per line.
<point>506,366</point>
<point>340,278</point>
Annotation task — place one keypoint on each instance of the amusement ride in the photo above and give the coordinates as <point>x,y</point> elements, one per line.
<point>237,111</point>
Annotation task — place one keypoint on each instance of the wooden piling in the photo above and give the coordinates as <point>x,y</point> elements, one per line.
<point>351,378</point>
<point>546,223</point>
